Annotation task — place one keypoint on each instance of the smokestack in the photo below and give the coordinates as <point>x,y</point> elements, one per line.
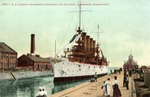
<point>32,51</point>
<point>91,44</point>
<point>94,47</point>
<point>88,42</point>
<point>84,40</point>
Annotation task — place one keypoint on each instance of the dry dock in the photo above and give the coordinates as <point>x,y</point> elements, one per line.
<point>93,89</point>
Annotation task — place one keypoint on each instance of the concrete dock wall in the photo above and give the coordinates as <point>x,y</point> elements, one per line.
<point>6,76</point>
<point>25,74</point>
<point>29,74</point>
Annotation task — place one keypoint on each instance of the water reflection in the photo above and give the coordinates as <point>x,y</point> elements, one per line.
<point>62,86</point>
<point>25,87</point>
<point>30,87</point>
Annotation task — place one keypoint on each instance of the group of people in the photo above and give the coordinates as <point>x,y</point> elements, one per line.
<point>42,92</point>
<point>106,86</point>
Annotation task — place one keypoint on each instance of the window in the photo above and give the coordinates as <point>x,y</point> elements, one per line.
<point>38,67</point>
<point>79,67</point>
<point>10,65</point>
<point>2,65</point>
<point>46,66</point>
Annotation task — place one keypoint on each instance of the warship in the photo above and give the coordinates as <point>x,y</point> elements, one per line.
<point>83,60</point>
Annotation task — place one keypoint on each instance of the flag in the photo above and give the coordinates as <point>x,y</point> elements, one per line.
<point>77,37</point>
<point>73,38</point>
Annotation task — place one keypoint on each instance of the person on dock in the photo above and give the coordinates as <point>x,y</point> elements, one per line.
<point>108,87</point>
<point>95,76</point>
<point>130,72</point>
<point>42,92</point>
<point>127,81</point>
<point>104,88</point>
<point>110,71</point>
<point>124,78</point>
<point>116,90</point>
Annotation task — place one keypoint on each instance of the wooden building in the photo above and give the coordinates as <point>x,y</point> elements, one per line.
<point>34,62</point>
<point>8,57</point>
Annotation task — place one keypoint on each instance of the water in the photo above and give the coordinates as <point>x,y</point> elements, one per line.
<point>25,87</point>
<point>29,87</point>
<point>62,86</point>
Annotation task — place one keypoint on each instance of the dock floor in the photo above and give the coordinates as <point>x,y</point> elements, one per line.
<point>93,89</point>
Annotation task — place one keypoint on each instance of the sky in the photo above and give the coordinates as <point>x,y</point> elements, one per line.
<point>124,26</point>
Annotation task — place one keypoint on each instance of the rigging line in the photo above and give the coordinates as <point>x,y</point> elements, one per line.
<point>83,23</point>
<point>89,20</point>
<point>61,49</point>
<point>65,34</point>
<point>80,14</point>
<point>77,22</point>
<point>63,41</point>
<point>83,27</point>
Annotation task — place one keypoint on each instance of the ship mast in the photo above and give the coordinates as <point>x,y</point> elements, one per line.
<point>97,46</point>
<point>79,28</point>
<point>80,14</point>
<point>86,50</point>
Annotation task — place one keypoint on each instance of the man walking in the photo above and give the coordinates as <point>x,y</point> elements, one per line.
<point>127,81</point>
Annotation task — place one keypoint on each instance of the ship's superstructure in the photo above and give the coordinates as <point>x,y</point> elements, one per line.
<point>87,51</point>
<point>83,60</point>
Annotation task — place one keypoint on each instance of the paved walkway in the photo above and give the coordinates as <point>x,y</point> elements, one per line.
<point>93,89</point>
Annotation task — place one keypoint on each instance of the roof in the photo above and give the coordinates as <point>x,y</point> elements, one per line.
<point>37,58</point>
<point>5,48</point>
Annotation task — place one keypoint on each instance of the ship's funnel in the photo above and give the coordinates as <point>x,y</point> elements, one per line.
<point>32,50</point>
<point>84,40</point>
<point>88,42</point>
<point>91,44</point>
